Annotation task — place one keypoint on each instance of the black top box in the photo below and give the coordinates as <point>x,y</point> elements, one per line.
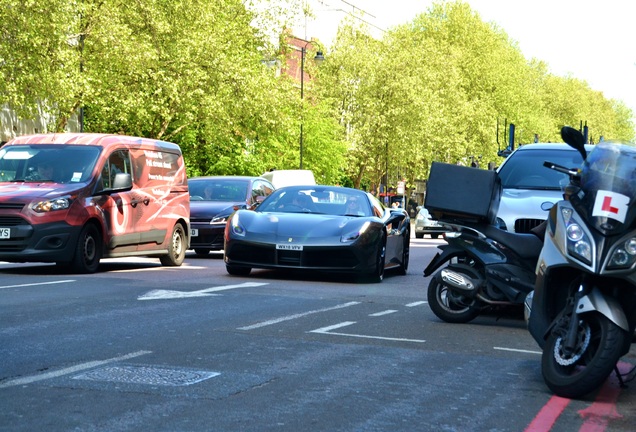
<point>455,192</point>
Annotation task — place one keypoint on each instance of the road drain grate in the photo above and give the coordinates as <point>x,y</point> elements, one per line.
<point>149,375</point>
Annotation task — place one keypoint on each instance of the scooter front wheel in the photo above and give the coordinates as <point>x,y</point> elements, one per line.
<point>450,306</point>
<point>575,374</point>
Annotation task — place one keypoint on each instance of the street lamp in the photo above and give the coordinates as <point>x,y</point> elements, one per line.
<point>318,58</point>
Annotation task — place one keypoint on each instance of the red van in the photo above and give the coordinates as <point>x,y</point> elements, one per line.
<point>75,198</point>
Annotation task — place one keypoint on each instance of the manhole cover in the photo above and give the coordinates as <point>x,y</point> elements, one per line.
<point>149,375</point>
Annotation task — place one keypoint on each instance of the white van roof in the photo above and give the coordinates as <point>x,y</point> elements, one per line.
<point>280,178</point>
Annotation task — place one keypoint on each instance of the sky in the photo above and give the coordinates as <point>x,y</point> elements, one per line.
<point>592,40</point>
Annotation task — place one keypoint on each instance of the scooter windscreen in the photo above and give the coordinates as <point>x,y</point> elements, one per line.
<point>608,182</point>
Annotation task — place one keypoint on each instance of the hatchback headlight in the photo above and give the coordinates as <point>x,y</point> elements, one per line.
<point>219,219</point>
<point>61,203</point>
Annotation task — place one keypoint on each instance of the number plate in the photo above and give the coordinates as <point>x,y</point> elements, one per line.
<point>291,247</point>
<point>5,233</point>
<point>194,232</point>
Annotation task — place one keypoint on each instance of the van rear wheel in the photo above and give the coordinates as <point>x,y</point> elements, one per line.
<point>88,251</point>
<point>176,248</point>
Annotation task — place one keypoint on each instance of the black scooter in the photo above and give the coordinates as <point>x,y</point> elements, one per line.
<point>485,268</point>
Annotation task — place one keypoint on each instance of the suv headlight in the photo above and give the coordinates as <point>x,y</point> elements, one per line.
<point>499,223</point>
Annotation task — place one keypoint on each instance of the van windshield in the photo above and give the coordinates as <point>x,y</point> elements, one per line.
<point>47,163</point>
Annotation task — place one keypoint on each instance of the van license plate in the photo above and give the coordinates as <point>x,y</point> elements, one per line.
<point>291,247</point>
<point>194,232</point>
<point>5,233</point>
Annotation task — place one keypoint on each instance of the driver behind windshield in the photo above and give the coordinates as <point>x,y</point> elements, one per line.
<point>44,170</point>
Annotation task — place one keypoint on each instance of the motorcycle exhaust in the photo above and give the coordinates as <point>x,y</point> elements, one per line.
<point>458,281</point>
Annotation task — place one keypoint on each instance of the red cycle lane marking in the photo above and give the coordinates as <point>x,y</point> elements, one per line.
<point>548,415</point>
<point>596,416</point>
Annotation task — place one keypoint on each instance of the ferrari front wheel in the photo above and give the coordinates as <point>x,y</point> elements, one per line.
<point>378,271</point>
<point>404,265</point>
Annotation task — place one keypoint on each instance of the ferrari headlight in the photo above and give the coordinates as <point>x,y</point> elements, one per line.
<point>61,203</point>
<point>355,234</point>
<point>236,226</point>
<point>624,256</point>
<point>578,243</point>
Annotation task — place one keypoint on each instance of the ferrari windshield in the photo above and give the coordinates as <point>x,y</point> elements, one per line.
<point>318,199</point>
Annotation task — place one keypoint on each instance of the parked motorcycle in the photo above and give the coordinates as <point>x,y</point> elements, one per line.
<point>486,268</point>
<point>582,312</point>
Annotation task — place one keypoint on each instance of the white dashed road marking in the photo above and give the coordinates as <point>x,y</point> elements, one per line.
<point>517,350</point>
<point>386,312</point>
<point>36,284</point>
<point>295,316</point>
<point>69,370</point>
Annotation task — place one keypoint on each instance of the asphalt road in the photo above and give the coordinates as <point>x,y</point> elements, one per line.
<point>140,347</point>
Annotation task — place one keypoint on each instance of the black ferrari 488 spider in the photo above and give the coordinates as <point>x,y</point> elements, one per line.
<point>322,228</point>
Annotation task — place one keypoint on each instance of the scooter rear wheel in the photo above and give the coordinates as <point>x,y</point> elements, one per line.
<point>448,305</point>
<point>574,375</point>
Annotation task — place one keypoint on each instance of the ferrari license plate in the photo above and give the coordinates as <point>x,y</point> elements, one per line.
<point>291,247</point>
<point>5,233</point>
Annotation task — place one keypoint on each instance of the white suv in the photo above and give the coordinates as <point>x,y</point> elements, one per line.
<point>529,188</point>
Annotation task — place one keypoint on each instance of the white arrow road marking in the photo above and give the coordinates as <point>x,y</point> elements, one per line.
<point>169,294</point>
<point>327,330</point>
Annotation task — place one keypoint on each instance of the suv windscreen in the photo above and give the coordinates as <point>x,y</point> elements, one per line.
<point>525,170</point>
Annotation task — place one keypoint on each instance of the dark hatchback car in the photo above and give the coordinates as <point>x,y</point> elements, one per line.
<point>213,200</point>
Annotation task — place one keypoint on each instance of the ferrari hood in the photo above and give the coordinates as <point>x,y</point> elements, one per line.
<point>298,225</point>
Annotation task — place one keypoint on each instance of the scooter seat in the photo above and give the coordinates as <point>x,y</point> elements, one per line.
<point>526,245</point>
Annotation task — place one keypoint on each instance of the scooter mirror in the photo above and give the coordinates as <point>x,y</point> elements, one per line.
<point>574,138</point>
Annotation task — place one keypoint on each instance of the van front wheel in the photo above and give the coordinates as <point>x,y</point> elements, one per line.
<point>176,248</point>
<point>88,251</point>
